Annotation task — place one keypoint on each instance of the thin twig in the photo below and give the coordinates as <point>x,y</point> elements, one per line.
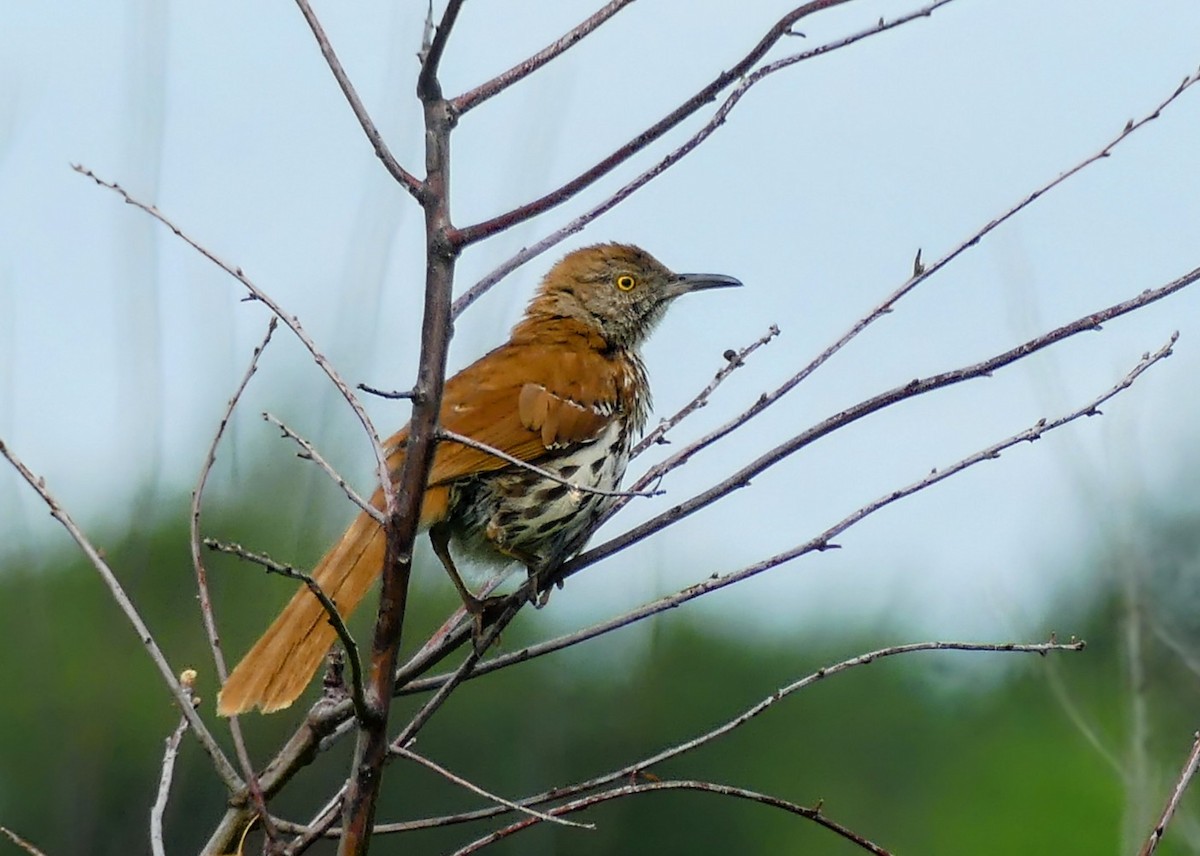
<point>395,393</point>
<point>292,322</point>
<point>734,360</point>
<point>814,814</point>
<point>821,542</point>
<point>21,842</point>
<point>406,179</point>
<point>533,468</point>
<point>1181,785</point>
<point>474,788</point>
<point>331,610</point>
<point>221,764</point>
<point>206,606</point>
<point>641,141</point>
<point>523,69</point>
<point>187,680</point>
<point>310,453</point>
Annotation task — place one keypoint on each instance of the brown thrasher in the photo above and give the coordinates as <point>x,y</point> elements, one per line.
<point>566,393</point>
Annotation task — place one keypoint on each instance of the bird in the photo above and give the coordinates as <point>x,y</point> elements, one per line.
<point>567,393</point>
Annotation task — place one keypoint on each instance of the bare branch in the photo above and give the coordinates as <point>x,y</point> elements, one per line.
<point>523,69</point>
<point>474,788</point>
<point>292,322</point>
<point>21,842</point>
<point>310,453</point>
<point>639,767</point>
<point>221,764</point>
<point>187,680</point>
<point>206,606</point>
<point>813,814</point>
<point>487,228</point>
<point>1181,784</point>
<point>734,360</point>
<point>533,468</point>
<point>406,179</point>
<point>331,610</point>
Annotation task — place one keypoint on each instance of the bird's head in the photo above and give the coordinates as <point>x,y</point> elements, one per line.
<point>618,288</point>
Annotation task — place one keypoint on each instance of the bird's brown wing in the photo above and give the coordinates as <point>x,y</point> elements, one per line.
<point>525,400</point>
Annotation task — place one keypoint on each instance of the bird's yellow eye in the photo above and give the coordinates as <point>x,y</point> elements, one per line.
<point>625,282</point>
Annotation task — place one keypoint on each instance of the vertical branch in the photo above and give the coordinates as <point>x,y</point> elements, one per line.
<point>371,749</point>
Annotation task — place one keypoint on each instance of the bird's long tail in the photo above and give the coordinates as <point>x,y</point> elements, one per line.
<point>277,669</point>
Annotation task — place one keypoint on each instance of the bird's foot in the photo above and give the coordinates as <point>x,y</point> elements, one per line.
<point>483,611</point>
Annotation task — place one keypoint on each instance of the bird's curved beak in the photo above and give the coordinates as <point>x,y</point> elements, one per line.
<point>687,282</point>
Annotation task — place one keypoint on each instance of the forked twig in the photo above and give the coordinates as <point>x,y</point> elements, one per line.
<point>641,766</point>
<point>322,823</point>
<point>187,680</point>
<point>815,814</point>
<point>479,231</point>
<point>331,610</point>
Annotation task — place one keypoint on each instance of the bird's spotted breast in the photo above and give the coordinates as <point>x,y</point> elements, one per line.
<point>517,514</point>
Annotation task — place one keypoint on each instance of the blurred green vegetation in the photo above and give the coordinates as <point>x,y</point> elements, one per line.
<point>904,751</point>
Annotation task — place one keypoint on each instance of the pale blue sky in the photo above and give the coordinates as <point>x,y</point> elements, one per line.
<point>119,346</point>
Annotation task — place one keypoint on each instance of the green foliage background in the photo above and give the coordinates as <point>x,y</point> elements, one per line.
<point>912,752</point>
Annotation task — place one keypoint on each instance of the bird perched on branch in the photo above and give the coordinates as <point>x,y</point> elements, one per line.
<point>567,393</point>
